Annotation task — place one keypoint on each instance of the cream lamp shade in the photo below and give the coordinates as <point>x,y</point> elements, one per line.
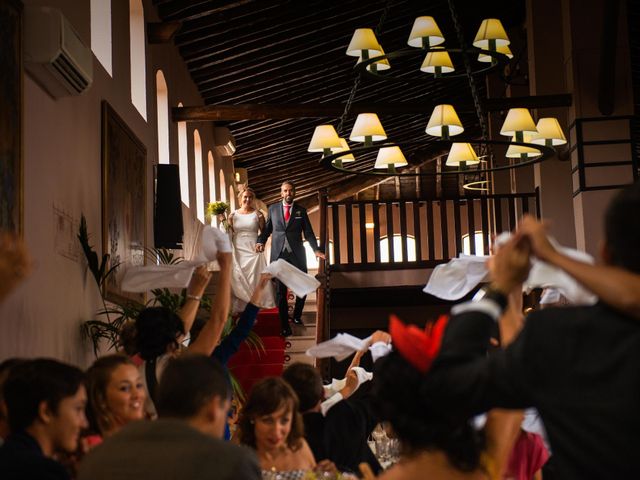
<point>518,121</point>
<point>324,138</point>
<point>363,39</point>
<point>390,156</point>
<point>491,33</point>
<point>518,151</point>
<point>367,125</point>
<point>344,146</point>
<point>549,133</point>
<point>382,64</point>
<point>436,59</point>
<point>504,49</point>
<point>461,153</point>
<point>425,28</point>
<point>441,117</point>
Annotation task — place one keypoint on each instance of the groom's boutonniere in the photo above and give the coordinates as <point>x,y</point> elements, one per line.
<point>298,214</point>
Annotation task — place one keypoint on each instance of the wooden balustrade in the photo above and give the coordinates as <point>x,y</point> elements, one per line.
<point>423,232</point>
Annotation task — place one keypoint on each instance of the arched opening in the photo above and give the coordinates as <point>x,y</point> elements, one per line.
<point>138,57</point>
<point>397,249</point>
<point>183,161</point>
<point>232,199</point>
<point>101,33</point>
<point>212,177</point>
<point>162,94</point>
<point>197,158</point>
<point>223,187</point>
<point>478,241</point>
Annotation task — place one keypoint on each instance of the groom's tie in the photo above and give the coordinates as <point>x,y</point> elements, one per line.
<point>287,212</point>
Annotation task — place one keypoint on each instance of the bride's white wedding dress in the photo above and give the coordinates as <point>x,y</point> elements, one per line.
<point>247,263</point>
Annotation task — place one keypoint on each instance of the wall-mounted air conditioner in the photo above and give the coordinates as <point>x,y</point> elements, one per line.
<point>224,142</point>
<point>54,55</point>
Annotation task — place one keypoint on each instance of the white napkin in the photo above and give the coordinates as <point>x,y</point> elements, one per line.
<point>332,391</point>
<point>339,347</point>
<point>299,282</point>
<point>142,279</point>
<point>455,279</point>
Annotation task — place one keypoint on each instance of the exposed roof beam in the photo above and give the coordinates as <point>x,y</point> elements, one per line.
<point>229,113</point>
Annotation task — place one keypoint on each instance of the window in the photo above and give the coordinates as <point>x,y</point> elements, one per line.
<point>212,177</point>
<point>183,161</point>
<point>101,33</point>
<point>397,249</point>
<point>138,57</point>
<point>162,94</point>
<point>223,188</point>
<point>312,260</point>
<point>478,240</point>
<point>197,156</point>
<point>232,199</point>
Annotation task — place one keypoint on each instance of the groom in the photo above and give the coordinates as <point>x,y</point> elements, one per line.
<point>288,222</point>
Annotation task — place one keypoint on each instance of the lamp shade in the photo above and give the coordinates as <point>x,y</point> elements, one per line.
<point>518,120</point>
<point>549,129</point>
<point>344,146</point>
<point>324,136</point>
<point>382,64</point>
<point>390,156</point>
<point>425,27</point>
<point>444,115</point>
<point>517,151</point>
<point>504,49</point>
<point>461,152</point>
<point>367,125</point>
<point>437,59</point>
<point>363,39</point>
<point>490,29</point>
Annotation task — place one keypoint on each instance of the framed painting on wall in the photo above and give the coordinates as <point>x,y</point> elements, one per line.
<point>11,115</point>
<point>124,178</point>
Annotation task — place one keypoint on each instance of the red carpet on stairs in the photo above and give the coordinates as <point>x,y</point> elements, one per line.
<point>249,365</point>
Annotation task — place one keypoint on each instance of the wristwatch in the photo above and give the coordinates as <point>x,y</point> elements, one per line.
<point>497,296</point>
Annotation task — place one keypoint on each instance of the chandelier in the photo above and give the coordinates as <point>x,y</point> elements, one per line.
<point>528,142</point>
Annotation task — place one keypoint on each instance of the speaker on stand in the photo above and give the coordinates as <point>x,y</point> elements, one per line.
<point>167,213</point>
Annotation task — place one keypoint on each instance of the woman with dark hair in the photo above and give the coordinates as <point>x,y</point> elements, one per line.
<point>116,395</point>
<point>434,444</point>
<point>271,424</point>
<point>159,332</point>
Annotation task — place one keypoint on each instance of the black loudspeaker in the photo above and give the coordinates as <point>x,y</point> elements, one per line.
<point>167,213</point>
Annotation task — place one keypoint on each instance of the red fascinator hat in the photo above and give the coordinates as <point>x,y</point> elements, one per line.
<point>418,347</point>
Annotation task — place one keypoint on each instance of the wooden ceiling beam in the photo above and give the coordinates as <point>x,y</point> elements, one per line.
<point>228,113</point>
<point>162,32</point>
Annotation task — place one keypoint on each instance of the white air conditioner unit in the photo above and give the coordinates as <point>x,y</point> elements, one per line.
<point>224,142</point>
<point>54,55</point>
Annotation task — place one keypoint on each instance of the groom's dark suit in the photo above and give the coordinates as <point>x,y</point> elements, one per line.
<point>286,243</point>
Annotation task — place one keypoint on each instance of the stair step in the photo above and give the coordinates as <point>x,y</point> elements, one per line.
<point>300,344</point>
<point>290,358</point>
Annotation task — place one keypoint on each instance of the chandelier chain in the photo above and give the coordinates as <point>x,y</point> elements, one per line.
<point>467,66</point>
<point>356,83</point>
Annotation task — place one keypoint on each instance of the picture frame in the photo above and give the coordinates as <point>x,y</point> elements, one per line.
<point>124,193</point>
<point>11,117</point>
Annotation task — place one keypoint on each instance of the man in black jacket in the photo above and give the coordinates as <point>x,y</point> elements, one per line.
<point>579,366</point>
<point>286,224</point>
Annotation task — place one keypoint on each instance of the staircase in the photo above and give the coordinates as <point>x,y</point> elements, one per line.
<point>249,366</point>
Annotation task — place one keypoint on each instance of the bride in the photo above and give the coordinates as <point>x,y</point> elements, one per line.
<point>245,224</point>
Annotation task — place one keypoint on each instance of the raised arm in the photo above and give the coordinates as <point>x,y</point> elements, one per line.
<point>616,287</point>
<point>199,281</point>
<point>210,334</point>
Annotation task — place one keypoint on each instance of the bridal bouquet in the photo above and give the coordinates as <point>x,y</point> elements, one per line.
<point>218,210</point>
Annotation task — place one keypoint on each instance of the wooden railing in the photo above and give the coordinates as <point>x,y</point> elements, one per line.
<point>424,232</point>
